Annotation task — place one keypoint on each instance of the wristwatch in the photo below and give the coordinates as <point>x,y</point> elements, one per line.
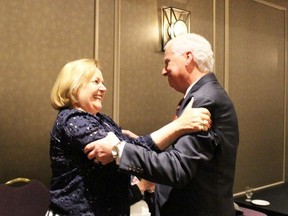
<point>115,150</point>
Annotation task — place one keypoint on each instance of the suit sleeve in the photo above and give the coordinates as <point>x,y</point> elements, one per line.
<point>175,167</point>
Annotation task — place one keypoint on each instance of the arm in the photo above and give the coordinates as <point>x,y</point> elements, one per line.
<point>176,167</point>
<point>191,120</point>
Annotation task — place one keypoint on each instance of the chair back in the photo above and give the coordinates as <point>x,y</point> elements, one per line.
<point>250,212</point>
<point>18,182</point>
<point>27,197</point>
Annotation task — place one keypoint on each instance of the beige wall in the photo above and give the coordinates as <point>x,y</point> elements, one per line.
<point>257,85</point>
<point>39,37</point>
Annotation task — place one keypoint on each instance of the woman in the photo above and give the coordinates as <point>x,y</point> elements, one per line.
<point>79,186</point>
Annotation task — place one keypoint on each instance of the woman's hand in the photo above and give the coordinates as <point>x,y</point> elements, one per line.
<point>144,185</point>
<point>130,134</point>
<point>195,119</point>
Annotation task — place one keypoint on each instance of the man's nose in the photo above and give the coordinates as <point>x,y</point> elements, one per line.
<point>164,71</point>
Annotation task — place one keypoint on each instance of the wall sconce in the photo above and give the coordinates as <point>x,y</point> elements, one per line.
<point>174,22</point>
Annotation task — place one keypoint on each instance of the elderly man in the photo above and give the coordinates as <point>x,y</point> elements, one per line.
<point>195,176</point>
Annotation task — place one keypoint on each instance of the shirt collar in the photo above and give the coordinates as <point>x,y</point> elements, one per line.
<point>189,88</point>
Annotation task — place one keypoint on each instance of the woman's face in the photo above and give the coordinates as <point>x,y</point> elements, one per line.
<point>90,96</point>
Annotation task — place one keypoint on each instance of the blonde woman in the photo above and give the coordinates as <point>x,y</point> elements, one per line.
<point>80,186</point>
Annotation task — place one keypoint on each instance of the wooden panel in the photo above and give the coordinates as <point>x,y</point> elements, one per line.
<point>106,50</point>
<point>37,38</point>
<point>146,99</point>
<point>257,86</point>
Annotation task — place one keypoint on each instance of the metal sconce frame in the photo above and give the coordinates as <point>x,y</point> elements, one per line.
<point>175,22</point>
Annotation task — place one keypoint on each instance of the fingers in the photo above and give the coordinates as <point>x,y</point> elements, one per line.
<point>205,122</point>
<point>204,111</point>
<point>100,157</point>
<point>129,133</point>
<point>103,159</point>
<point>201,124</point>
<point>201,116</point>
<point>91,155</point>
<point>205,119</point>
<point>91,150</point>
<point>100,150</point>
<point>88,148</point>
<point>205,125</point>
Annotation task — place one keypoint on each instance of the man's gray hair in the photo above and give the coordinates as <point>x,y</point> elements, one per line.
<point>198,46</point>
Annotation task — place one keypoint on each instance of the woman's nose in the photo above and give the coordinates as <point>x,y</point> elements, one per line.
<point>102,87</point>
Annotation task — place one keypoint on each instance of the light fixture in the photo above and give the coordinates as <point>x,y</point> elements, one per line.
<point>174,22</point>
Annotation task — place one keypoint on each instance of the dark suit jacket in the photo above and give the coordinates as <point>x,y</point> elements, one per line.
<point>196,174</point>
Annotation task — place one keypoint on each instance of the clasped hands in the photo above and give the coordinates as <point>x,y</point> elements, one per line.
<point>192,120</point>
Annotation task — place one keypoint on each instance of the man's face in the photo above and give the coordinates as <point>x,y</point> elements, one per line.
<point>175,70</point>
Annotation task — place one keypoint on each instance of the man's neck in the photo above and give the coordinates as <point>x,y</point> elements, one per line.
<point>195,76</point>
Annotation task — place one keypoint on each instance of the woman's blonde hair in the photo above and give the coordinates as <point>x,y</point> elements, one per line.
<point>73,76</point>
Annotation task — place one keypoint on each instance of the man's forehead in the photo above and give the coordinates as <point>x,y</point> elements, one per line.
<point>169,53</point>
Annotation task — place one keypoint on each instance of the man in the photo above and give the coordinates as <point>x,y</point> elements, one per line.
<point>195,177</point>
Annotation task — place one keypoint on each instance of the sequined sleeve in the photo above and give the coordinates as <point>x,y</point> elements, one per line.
<point>82,128</point>
<point>144,141</point>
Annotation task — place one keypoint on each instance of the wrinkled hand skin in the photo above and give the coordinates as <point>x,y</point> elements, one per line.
<point>100,150</point>
<point>195,119</point>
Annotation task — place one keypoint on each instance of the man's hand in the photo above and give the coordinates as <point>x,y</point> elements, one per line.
<point>100,150</point>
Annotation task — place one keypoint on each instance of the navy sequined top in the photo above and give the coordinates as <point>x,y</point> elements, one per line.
<point>79,186</point>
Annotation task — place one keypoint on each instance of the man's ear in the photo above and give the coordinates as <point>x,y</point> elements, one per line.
<point>189,57</point>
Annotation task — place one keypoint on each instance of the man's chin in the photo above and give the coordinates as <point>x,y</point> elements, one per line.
<point>172,86</point>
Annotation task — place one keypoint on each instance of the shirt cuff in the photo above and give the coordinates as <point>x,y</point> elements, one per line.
<point>120,147</point>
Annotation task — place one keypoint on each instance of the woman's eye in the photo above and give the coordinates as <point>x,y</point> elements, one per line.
<point>96,81</point>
